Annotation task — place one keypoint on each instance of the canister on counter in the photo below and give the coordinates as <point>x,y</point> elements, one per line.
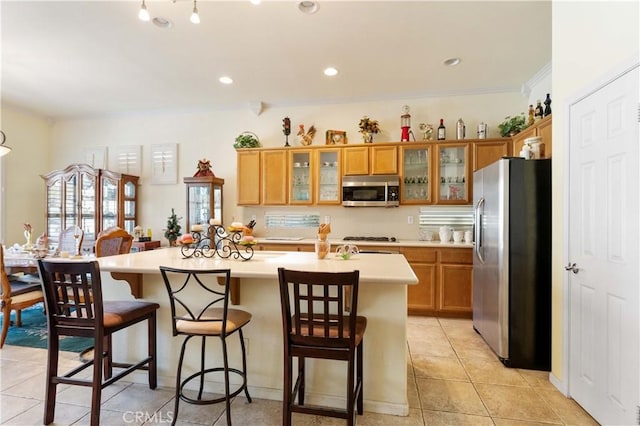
<point>536,146</point>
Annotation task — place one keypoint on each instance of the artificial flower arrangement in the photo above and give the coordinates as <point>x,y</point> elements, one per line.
<point>368,125</point>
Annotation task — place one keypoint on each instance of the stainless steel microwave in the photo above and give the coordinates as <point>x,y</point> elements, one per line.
<point>371,191</point>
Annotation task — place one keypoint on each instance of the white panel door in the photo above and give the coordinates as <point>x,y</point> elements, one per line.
<point>603,242</point>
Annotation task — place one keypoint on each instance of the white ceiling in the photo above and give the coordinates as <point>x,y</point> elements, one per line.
<point>92,58</point>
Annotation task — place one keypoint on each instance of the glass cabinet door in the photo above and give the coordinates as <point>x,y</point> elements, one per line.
<point>109,194</point>
<point>204,200</point>
<point>129,207</point>
<point>453,174</point>
<point>88,208</point>
<point>300,183</point>
<point>328,188</point>
<point>416,174</point>
<point>54,209</point>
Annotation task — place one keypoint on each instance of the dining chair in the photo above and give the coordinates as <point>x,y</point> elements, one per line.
<point>70,241</point>
<point>88,315</point>
<point>199,302</point>
<point>316,324</point>
<point>15,297</point>
<point>113,241</point>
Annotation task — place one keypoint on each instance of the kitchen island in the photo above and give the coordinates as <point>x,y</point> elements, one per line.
<point>382,299</point>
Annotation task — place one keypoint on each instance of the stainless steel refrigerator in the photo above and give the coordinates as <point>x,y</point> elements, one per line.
<point>512,260</point>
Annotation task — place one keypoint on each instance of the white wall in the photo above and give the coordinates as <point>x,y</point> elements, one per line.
<point>23,189</point>
<point>210,134</point>
<point>590,40</point>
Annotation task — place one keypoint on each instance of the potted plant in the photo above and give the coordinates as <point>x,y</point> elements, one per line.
<point>512,125</point>
<point>246,140</point>
<point>173,228</point>
<point>368,128</point>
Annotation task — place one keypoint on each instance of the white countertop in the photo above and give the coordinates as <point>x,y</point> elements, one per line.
<point>374,268</point>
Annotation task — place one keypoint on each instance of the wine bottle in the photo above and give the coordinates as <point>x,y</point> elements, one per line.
<point>441,131</point>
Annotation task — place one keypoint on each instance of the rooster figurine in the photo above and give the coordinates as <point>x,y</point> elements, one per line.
<point>306,138</point>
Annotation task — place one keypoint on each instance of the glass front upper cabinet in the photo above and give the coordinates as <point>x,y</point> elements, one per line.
<point>453,174</point>
<point>328,188</point>
<point>301,177</point>
<point>129,199</point>
<point>416,174</point>
<point>204,200</point>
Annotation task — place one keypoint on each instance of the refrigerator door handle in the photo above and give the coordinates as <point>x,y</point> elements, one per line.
<point>478,228</point>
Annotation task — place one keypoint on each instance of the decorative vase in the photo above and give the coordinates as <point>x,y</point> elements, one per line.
<point>368,137</point>
<point>173,243</point>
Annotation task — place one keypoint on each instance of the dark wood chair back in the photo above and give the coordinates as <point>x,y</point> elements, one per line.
<point>113,241</point>
<point>73,297</point>
<point>314,308</point>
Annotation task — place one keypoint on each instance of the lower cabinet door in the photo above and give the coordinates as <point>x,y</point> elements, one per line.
<point>455,289</point>
<point>422,297</point>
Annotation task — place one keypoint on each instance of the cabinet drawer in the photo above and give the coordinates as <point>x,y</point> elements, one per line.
<point>461,256</point>
<point>418,254</point>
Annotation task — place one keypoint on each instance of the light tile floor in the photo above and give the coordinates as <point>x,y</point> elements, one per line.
<point>454,379</point>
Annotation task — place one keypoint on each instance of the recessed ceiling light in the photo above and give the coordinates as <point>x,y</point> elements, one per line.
<point>451,62</point>
<point>331,71</point>
<point>308,6</point>
<point>225,80</point>
<point>162,22</point>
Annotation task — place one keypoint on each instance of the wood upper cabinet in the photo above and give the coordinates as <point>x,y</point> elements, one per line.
<point>301,176</point>
<point>328,178</point>
<point>274,177</point>
<point>249,177</point>
<point>384,159</point>
<point>355,160</point>
<point>488,151</point>
<point>453,185</point>
<point>370,160</point>
<point>542,128</point>
<point>416,174</point>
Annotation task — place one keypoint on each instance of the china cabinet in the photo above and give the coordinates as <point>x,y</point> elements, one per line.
<point>204,200</point>
<point>301,177</point>
<point>452,173</point>
<point>93,199</point>
<point>415,171</point>
<point>328,163</point>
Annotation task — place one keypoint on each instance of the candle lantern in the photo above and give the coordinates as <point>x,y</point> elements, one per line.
<point>405,124</point>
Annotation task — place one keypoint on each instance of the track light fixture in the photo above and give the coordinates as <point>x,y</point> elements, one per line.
<point>195,18</point>
<point>4,149</point>
<point>143,14</point>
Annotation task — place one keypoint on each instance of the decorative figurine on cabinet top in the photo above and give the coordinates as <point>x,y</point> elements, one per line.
<point>427,131</point>
<point>547,105</point>
<point>306,138</point>
<point>286,129</point>
<point>204,168</point>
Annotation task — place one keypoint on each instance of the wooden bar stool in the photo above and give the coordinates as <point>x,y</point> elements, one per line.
<point>87,315</point>
<point>315,325</point>
<point>200,308</point>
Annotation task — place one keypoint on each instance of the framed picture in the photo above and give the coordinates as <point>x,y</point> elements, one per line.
<point>164,164</point>
<point>336,137</point>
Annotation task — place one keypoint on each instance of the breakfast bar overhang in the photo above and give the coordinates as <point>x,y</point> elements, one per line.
<point>382,299</point>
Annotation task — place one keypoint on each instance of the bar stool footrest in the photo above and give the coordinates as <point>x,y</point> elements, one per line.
<point>199,374</point>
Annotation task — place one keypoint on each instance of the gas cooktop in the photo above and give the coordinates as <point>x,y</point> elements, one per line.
<point>380,239</point>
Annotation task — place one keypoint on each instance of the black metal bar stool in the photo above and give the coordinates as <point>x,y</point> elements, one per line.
<point>200,308</point>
